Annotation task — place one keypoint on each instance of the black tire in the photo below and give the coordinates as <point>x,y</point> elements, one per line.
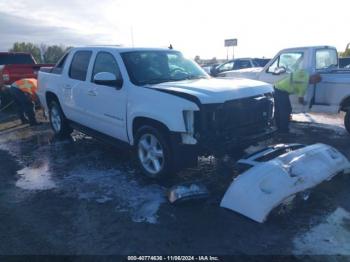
<point>347,121</point>
<point>63,129</point>
<point>161,136</point>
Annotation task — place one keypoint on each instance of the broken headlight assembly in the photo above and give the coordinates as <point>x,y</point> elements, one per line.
<point>188,137</point>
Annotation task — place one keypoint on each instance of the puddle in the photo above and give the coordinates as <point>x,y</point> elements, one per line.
<point>35,178</point>
<point>142,202</point>
<point>332,237</point>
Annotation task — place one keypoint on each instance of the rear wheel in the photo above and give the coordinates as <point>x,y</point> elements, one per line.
<point>153,152</point>
<point>347,121</point>
<point>58,122</point>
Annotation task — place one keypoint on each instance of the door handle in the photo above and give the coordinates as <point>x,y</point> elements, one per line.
<point>92,93</point>
<point>68,87</point>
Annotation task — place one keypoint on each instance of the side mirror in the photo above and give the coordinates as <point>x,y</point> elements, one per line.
<point>107,79</point>
<point>280,70</point>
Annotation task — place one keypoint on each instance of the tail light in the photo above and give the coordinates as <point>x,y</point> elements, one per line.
<point>315,78</point>
<point>5,76</point>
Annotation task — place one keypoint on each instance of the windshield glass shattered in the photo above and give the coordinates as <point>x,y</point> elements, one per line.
<point>154,67</point>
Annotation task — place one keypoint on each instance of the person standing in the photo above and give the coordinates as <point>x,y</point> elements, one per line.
<point>24,94</point>
<point>294,83</point>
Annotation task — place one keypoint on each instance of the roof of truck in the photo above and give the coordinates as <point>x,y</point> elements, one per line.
<point>122,48</point>
<point>309,47</point>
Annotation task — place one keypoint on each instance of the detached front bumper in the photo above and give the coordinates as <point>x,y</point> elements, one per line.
<point>278,173</point>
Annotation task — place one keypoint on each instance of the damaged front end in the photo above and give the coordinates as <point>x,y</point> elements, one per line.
<point>275,174</point>
<point>235,123</point>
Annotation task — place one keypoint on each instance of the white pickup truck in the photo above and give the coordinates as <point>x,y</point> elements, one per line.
<point>155,100</point>
<point>329,90</point>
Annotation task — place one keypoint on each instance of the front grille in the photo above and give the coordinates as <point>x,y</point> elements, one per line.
<point>249,115</point>
<point>236,118</point>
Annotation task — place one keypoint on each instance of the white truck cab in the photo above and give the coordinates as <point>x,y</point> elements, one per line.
<point>329,90</point>
<point>155,100</point>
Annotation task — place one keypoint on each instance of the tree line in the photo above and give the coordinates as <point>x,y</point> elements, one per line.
<point>42,53</point>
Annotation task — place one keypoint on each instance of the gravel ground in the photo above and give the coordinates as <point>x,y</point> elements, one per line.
<point>80,196</point>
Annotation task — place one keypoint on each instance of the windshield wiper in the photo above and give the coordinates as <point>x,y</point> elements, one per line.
<point>154,81</point>
<point>163,80</point>
<point>190,77</point>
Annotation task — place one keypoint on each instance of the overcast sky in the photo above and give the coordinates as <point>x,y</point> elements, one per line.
<point>194,27</point>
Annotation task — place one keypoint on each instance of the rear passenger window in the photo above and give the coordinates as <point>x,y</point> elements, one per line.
<point>79,66</point>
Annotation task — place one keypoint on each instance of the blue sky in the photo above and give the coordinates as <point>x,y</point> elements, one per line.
<point>192,26</point>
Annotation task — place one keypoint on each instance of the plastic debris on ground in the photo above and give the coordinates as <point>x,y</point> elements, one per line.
<point>187,191</point>
<point>273,175</point>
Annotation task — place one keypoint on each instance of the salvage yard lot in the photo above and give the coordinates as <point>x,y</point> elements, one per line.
<point>81,196</point>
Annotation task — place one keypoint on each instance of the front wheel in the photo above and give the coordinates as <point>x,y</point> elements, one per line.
<point>347,121</point>
<point>153,152</point>
<point>58,122</point>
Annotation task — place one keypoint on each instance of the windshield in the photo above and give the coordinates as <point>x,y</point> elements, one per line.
<point>153,67</point>
<point>15,59</point>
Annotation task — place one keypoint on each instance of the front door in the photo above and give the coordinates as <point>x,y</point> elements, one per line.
<point>289,62</point>
<point>107,103</point>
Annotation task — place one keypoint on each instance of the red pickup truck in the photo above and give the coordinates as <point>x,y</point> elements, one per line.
<point>15,66</point>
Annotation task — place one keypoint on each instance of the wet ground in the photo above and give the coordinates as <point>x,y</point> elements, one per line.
<point>80,196</point>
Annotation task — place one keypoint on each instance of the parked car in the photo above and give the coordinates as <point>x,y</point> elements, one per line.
<point>15,66</point>
<point>329,90</point>
<point>155,100</point>
<point>237,64</point>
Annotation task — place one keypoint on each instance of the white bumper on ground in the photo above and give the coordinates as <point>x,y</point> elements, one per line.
<point>271,181</point>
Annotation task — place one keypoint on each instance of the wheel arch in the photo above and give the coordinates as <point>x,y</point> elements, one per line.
<point>142,121</point>
<point>345,104</point>
<point>51,96</point>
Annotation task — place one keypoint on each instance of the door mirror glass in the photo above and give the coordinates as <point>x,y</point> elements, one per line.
<point>107,79</point>
<point>279,70</point>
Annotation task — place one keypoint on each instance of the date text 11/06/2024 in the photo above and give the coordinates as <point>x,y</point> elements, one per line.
<point>173,258</point>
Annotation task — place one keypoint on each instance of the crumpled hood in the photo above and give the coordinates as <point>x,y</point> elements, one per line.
<point>215,90</point>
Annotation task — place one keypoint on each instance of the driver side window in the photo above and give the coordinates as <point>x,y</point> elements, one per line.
<point>289,61</point>
<point>105,62</point>
<point>226,67</point>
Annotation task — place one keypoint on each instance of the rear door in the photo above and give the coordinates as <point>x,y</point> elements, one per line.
<point>106,104</point>
<point>75,87</point>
